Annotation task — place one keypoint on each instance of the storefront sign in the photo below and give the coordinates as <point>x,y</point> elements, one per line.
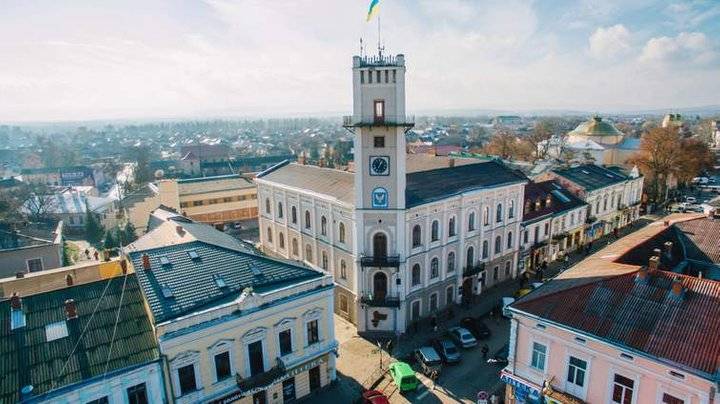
<point>523,390</point>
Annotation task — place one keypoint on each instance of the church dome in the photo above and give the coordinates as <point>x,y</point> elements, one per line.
<point>596,127</point>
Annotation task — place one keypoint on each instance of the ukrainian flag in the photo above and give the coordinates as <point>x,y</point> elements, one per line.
<point>373,9</point>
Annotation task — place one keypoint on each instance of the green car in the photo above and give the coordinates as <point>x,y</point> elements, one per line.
<point>403,376</point>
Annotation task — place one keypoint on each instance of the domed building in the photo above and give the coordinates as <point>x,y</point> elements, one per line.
<point>601,140</point>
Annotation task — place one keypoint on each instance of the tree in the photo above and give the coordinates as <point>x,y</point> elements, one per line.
<point>141,157</point>
<point>588,158</point>
<point>665,154</point>
<point>503,143</point>
<point>93,229</point>
<point>539,138</point>
<point>38,200</point>
<point>110,241</point>
<point>127,234</point>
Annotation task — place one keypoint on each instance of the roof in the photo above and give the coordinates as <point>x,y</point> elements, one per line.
<point>30,235</point>
<point>595,126</point>
<point>336,184</point>
<point>629,143</point>
<point>207,179</point>
<point>46,170</point>
<point>424,162</point>
<point>645,316</point>
<point>193,282</point>
<point>591,176</point>
<point>704,234</point>
<point>560,199</point>
<point>27,358</point>
<point>11,182</point>
<point>429,186</point>
<point>218,183</point>
<point>203,151</point>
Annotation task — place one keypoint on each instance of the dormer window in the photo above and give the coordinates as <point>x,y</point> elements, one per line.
<point>379,110</point>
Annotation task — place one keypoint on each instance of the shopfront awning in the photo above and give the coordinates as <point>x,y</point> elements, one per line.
<point>523,389</point>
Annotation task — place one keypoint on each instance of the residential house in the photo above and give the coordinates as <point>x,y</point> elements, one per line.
<point>30,248</point>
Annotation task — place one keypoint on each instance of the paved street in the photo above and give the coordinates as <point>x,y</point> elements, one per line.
<point>359,363</point>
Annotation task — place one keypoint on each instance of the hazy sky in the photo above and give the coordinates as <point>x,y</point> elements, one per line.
<point>72,60</point>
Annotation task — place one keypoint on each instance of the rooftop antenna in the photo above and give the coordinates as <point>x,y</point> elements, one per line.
<point>361,48</point>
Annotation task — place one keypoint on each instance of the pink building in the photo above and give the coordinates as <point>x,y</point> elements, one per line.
<point>610,331</point>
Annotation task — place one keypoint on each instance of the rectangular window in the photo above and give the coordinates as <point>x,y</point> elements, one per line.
<point>379,110</point>
<point>537,234</point>
<point>669,399</point>
<point>379,141</point>
<point>576,371</point>
<point>289,390</point>
<point>362,76</point>
<point>260,397</point>
<point>222,366</point>
<point>285,340</point>
<point>312,332</point>
<point>227,199</point>
<point>184,204</point>
<point>386,76</point>
<point>394,76</point>
<point>101,400</point>
<point>378,76</point>
<point>255,354</point>
<point>539,352</point>
<point>622,390</point>
<point>525,237</point>
<point>34,265</point>
<point>547,228</point>
<point>433,302</point>
<point>137,394</point>
<point>186,376</point>
<point>370,77</point>
<point>197,203</point>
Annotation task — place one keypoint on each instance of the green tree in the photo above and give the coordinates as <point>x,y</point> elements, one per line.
<point>127,234</point>
<point>93,229</point>
<point>110,241</point>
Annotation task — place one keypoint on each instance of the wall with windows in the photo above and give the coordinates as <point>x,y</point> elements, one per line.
<point>205,354</point>
<point>597,372</point>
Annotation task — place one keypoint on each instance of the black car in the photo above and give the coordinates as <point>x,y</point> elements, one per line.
<point>476,327</point>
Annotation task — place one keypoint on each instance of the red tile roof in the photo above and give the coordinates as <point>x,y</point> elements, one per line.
<point>645,316</point>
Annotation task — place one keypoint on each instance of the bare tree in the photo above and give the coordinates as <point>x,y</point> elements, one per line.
<point>540,138</point>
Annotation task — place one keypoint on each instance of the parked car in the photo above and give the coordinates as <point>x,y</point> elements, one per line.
<point>447,350</point>
<point>429,360</point>
<point>501,356</point>
<point>690,199</point>
<point>476,327</point>
<point>700,180</point>
<point>374,397</point>
<point>462,337</point>
<point>237,226</point>
<point>403,376</point>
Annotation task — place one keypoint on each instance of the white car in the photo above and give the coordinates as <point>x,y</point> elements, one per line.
<point>463,337</point>
<point>690,199</point>
<point>700,180</point>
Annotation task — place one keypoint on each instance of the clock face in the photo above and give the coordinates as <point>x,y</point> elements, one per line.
<point>379,165</point>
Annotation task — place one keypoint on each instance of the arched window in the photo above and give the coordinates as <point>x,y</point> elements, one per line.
<point>510,240</point>
<point>485,249</point>
<point>435,231</point>
<point>434,268</point>
<point>280,210</point>
<point>470,257</point>
<point>380,245</point>
<point>269,234</point>
<point>294,247</point>
<point>507,269</point>
<point>451,227</point>
<point>416,236</point>
<point>343,270</point>
<point>498,213</point>
<point>380,286</point>
<point>511,210</point>
<point>498,244</point>
<point>293,214</point>
<point>415,275</point>
<point>267,205</point>
<point>308,253</point>
<point>307,219</point>
<point>471,221</point>
<point>605,203</point>
<point>281,240</point>
<point>451,262</point>
<point>323,226</point>
<point>486,216</point>
<point>324,261</point>
<point>341,232</point>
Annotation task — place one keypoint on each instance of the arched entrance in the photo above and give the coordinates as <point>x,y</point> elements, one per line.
<point>380,286</point>
<point>380,245</point>
<point>467,287</point>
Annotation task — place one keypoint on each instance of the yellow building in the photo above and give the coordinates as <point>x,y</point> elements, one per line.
<point>603,141</point>
<point>233,325</point>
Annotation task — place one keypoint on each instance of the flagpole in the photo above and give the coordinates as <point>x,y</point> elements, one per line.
<point>379,46</point>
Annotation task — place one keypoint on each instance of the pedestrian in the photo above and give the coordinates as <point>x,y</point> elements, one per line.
<point>87,253</point>
<point>433,323</point>
<point>96,255</point>
<point>485,350</point>
<point>616,233</point>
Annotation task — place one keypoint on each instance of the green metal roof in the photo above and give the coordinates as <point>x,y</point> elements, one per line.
<point>27,358</point>
<point>596,127</point>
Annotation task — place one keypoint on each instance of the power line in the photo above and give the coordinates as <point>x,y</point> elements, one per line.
<point>117,319</point>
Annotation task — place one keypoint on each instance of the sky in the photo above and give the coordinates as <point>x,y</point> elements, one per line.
<point>63,60</point>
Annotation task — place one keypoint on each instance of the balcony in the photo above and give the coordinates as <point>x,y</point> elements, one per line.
<point>406,121</point>
<point>474,270</point>
<point>380,261</point>
<point>261,380</point>
<point>387,301</point>
<point>591,220</point>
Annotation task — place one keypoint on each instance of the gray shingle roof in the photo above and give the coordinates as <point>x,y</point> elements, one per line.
<point>27,358</point>
<point>591,176</point>
<point>336,184</point>
<point>193,281</point>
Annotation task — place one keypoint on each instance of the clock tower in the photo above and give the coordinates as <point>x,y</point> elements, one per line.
<point>379,125</point>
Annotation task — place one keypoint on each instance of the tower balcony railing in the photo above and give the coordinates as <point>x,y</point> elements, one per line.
<point>407,121</point>
<point>375,301</point>
<point>381,261</point>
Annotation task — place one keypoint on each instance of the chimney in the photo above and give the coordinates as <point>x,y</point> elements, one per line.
<point>69,280</point>
<point>642,274</point>
<point>654,263</point>
<point>656,252</point>
<point>180,230</point>
<point>20,275</point>
<point>666,223</point>
<point>677,287</point>
<point>146,262</point>
<point>70,309</point>
<point>16,301</point>
<point>451,162</point>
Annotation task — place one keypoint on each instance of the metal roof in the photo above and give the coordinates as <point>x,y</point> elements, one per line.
<point>591,176</point>
<point>27,358</point>
<point>561,199</point>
